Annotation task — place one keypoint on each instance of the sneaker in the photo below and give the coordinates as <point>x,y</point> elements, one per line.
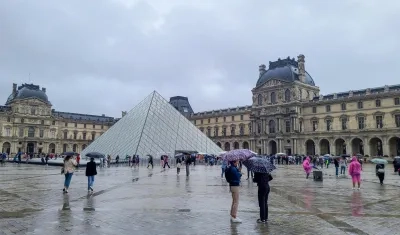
<point>358,189</point>
<point>91,188</point>
<point>354,188</point>
<point>236,220</point>
<point>261,221</point>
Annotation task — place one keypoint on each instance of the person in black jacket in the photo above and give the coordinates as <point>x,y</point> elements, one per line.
<point>336,162</point>
<point>90,173</point>
<point>262,180</point>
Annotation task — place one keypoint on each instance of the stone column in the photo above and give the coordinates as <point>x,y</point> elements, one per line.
<point>366,147</point>
<point>317,147</point>
<point>266,147</point>
<point>278,124</point>
<point>385,146</point>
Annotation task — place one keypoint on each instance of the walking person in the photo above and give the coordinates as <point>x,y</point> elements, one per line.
<point>187,163</point>
<point>355,172</point>
<point>307,167</point>
<point>150,162</point>
<point>380,172</point>
<point>178,166</point>
<point>166,162</point>
<point>162,161</point>
<point>262,180</point>
<point>90,173</point>
<point>343,165</point>
<point>336,162</point>
<point>224,165</point>
<point>248,174</point>
<point>69,168</point>
<point>233,175</point>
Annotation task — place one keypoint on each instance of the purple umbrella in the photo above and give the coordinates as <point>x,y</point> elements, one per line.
<point>237,154</point>
<point>260,165</point>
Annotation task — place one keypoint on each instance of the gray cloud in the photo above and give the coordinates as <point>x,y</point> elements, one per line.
<point>105,56</point>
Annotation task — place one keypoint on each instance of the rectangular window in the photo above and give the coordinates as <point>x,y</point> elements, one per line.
<point>287,126</point>
<point>8,131</point>
<point>397,120</point>
<point>343,106</point>
<point>241,117</point>
<point>361,123</point>
<point>328,125</point>
<point>233,130</point>
<point>241,130</point>
<point>378,103</point>
<point>360,105</point>
<point>194,122</point>
<point>94,126</point>
<point>328,108</point>
<point>21,132</point>
<point>314,109</point>
<point>224,119</point>
<point>379,122</point>
<point>53,134</point>
<point>41,133</point>
<point>301,126</point>
<point>216,119</point>
<point>53,123</point>
<point>224,131</point>
<point>102,127</point>
<point>75,134</point>
<point>65,135</point>
<point>93,136</point>
<point>201,121</point>
<point>344,124</point>
<point>315,125</point>
<point>84,125</point>
<point>209,121</point>
<point>66,124</point>
<point>216,130</point>
<point>396,101</point>
<point>209,132</point>
<point>233,118</point>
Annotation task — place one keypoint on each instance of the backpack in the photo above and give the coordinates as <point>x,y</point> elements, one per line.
<point>228,174</point>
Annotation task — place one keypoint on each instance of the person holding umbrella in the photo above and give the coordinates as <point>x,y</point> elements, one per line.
<point>90,173</point>
<point>380,172</point>
<point>234,176</point>
<point>262,168</point>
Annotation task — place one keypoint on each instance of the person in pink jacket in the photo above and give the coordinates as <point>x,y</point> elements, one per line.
<point>355,172</point>
<point>307,167</point>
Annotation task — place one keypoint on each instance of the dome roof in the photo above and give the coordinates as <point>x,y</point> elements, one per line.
<point>285,70</point>
<point>28,91</point>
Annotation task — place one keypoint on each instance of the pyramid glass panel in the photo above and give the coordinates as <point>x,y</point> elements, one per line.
<point>152,127</point>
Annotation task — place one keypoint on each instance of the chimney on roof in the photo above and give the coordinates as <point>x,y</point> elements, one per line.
<point>123,113</point>
<point>301,67</point>
<point>103,115</point>
<point>44,89</point>
<point>261,69</point>
<point>14,89</point>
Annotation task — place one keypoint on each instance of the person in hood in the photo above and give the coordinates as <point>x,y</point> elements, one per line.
<point>307,167</point>
<point>355,172</point>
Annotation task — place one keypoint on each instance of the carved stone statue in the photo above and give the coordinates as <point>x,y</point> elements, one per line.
<point>254,98</point>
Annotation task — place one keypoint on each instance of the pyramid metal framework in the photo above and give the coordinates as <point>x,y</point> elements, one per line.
<point>152,127</point>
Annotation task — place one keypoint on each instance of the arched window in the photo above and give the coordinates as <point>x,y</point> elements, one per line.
<point>271,126</point>
<point>259,99</point>
<point>31,132</point>
<point>273,97</point>
<point>287,95</point>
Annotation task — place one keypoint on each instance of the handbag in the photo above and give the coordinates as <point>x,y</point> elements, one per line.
<point>270,177</point>
<point>62,170</point>
<point>381,170</point>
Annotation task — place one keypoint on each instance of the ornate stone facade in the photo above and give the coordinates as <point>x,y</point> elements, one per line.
<point>290,115</point>
<point>229,128</point>
<point>29,124</point>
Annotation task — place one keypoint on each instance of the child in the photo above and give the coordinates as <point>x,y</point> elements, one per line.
<point>178,166</point>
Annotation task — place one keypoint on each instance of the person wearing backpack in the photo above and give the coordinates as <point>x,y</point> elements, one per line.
<point>232,175</point>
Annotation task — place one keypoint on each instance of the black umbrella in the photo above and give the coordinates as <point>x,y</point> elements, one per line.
<point>70,153</point>
<point>187,152</point>
<point>95,155</point>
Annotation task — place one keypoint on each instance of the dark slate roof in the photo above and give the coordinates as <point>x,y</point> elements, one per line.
<point>182,104</point>
<point>362,92</point>
<point>224,111</point>
<point>285,70</point>
<point>5,108</point>
<point>82,117</point>
<point>26,91</point>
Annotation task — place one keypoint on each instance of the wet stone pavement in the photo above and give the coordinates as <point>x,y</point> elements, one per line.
<point>142,201</point>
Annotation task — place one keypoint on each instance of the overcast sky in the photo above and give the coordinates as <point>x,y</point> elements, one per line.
<point>104,56</point>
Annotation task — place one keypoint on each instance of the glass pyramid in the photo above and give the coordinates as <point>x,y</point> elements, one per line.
<point>152,127</point>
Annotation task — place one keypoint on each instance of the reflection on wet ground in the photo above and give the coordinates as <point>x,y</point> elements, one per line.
<point>156,201</point>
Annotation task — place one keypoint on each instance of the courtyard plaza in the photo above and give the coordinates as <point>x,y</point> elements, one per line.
<point>156,201</point>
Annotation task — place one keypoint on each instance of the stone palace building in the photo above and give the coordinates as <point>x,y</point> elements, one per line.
<point>29,124</point>
<point>289,115</point>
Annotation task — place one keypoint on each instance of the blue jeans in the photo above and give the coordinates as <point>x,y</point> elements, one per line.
<point>68,178</point>
<point>337,171</point>
<point>342,170</point>
<point>90,180</point>
<point>223,172</point>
